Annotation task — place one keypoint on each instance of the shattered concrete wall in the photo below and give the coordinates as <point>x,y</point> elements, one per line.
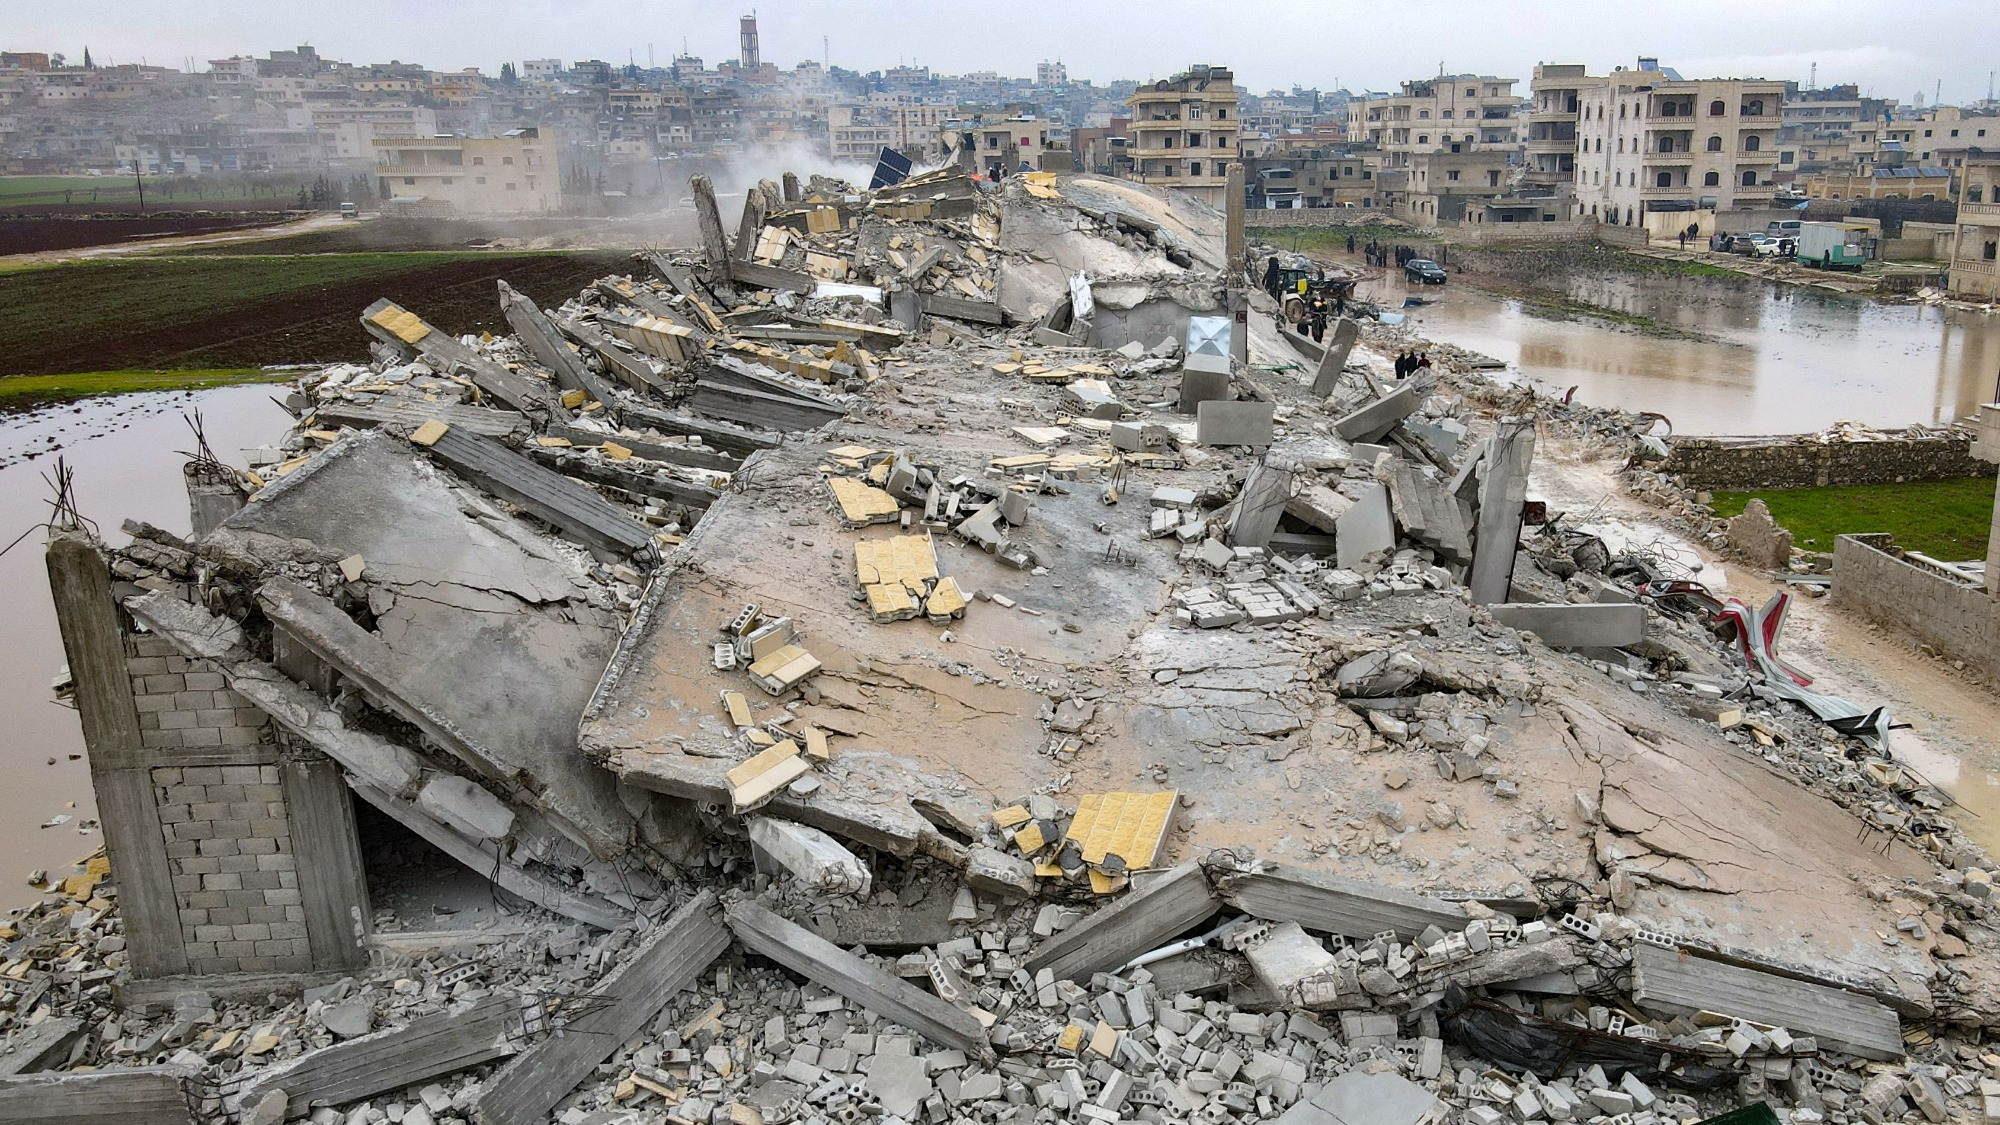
<point>1960,620</point>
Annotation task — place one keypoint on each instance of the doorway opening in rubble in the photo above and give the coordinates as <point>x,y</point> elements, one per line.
<point>413,886</point>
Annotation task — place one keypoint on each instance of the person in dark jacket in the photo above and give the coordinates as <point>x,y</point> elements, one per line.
<point>1350,244</point>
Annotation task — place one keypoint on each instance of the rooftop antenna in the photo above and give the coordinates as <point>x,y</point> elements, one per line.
<point>1812,81</point>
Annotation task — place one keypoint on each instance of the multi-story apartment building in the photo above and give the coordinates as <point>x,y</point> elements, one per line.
<point>1832,129</point>
<point>1975,259</point>
<point>1311,178</point>
<point>513,173</point>
<point>346,134</point>
<point>1184,130</point>
<point>1555,99</point>
<point>860,132</point>
<point>1449,113</point>
<point>1048,74</point>
<point>996,147</point>
<point>1947,137</point>
<point>1649,141</point>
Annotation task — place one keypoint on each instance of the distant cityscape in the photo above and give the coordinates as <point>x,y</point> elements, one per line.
<point>1637,146</point>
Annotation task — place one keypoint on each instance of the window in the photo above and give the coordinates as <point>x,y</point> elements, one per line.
<point>1712,179</point>
<point>1621,144</point>
<point>1927,132</point>
<point>1194,167</point>
<point>1194,140</point>
<point>409,179</point>
<point>1451,175</point>
<point>1194,113</point>
<point>1666,144</point>
<point>1991,247</point>
<point>1447,113</point>
<point>1750,178</point>
<point>1347,171</point>
<point>1600,144</point>
<point>1492,178</point>
<point>1715,144</point>
<point>1617,179</point>
<point>1954,132</point>
<point>480,180</point>
<point>1221,113</point>
<point>1752,143</point>
<point>1975,194</point>
<point>1717,109</point>
<point>1664,179</point>
<point>506,160</point>
<point>1472,91</point>
<point>1424,115</point>
<point>479,160</point>
<point>1753,108</point>
<point>1621,111</point>
<point>510,187</point>
<point>1423,138</point>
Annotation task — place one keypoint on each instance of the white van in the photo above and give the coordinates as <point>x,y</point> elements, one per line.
<point>1783,228</point>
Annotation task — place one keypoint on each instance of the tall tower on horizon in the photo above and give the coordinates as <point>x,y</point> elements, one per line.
<point>747,57</point>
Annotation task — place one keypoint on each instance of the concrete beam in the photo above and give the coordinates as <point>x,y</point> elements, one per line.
<point>673,954</point>
<point>1370,422</point>
<point>1563,625</point>
<point>1334,359</point>
<point>154,1095</point>
<point>361,1068</point>
<point>1330,904</point>
<point>832,967</point>
<point>1138,923</point>
<point>1503,492</point>
<point>535,329</point>
<point>574,510</point>
<point>1677,981</point>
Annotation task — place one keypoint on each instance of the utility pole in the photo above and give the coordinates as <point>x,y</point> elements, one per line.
<point>137,179</point>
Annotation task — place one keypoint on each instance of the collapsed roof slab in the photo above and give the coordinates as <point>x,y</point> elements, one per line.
<point>918,721</point>
<point>484,633</point>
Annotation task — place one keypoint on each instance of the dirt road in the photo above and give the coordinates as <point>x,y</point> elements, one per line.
<point>1955,721</point>
<point>320,221</point>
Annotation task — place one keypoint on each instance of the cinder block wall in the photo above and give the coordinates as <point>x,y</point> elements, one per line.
<point>224,822</point>
<point>1960,621</point>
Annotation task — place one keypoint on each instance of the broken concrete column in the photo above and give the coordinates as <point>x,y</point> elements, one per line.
<point>811,857</point>
<point>1503,490</point>
<point>1334,360</point>
<point>213,495</point>
<point>791,188</point>
<point>714,241</point>
<point>1259,505</point>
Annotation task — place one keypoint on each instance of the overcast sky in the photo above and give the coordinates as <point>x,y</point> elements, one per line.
<point>1892,49</point>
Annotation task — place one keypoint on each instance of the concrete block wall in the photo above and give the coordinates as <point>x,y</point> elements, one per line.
<point>218,790</point>
<point>1797,462</point>
<point>1959,620</point>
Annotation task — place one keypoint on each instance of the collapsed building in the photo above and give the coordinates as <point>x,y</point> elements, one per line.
<point>935,656</point>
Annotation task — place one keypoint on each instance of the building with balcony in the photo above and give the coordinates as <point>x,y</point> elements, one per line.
<point>996,148</point>
<point>1555,96</point>
<point>1451,113</point>
<point>1183,132</point>
<point>1975,258</point>
<point>1650,141</point>
<point>513,173</point>
<point>1947,136</point>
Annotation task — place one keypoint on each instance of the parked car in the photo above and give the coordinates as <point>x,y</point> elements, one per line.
<point>1748,244</point>
<point>1783,228</point>
<point>1423,271</point>
<point>1777,248</point>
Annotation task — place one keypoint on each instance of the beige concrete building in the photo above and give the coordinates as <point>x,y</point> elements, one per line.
<point>1555,97</point>
<point>1649,141</point>
<point>1881,182</point>
<point>1452,113</point>
<point>998,148</point>
<point>514,173</point>
<point>861,132</point>
<point>1975,259</point>
<point>1184,132</point>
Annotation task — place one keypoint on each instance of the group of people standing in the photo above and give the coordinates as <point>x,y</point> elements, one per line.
<point>1409,363</point>
<point>1377,254</point>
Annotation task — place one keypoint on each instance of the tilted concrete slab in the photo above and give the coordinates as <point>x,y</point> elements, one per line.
<point>1564,625</point>
<point>482,624</point>
<point>1370,422</point>
<point>1679,983</point>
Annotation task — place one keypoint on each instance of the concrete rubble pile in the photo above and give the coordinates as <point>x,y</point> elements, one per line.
<point>900,661</point>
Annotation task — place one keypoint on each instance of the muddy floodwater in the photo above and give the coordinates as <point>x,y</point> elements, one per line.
<point>1727,356</point>
<point>124,452</point>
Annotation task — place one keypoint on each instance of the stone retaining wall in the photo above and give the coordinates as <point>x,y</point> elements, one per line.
<point>1961,621</point>
<point>1803,461</point>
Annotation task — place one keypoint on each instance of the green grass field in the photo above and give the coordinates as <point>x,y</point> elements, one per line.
<point>24,391</point>
<point>1945,519</point>
<point>32,191</point>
